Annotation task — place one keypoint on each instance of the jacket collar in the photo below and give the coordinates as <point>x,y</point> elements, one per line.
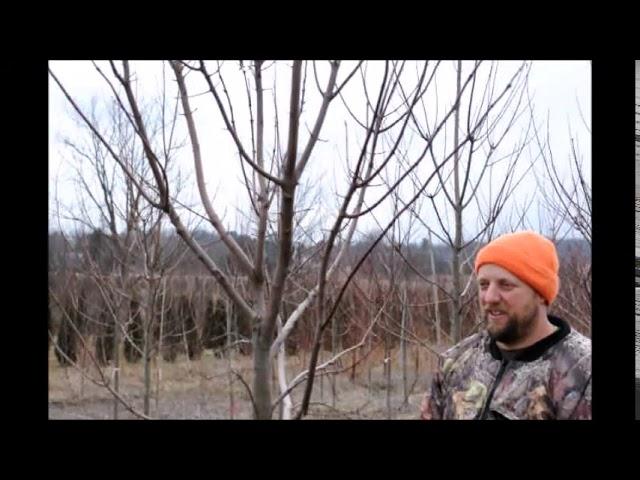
<point>536,350</point>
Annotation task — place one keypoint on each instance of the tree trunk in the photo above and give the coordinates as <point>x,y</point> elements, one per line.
<point>334,351</point>
<point>387,371</point>
<point>235,336</point>
<point>229,332</point>
<point>83,360</point>
<point>321,376</point>
<point>274,382</point>
<point>286,405</point>
<point>150,297</point>
<point>403,347</point>
<point>159,355</point>
<point>229,359</point>
<point>354,360</point>
<point>304,354</point>
<point>116,363</point>
<point>436,304</point>
<point>262,368</point>
<point>417,366</point>
<point>147,373</point>
<point>369,372</point>
<point>185,324</point>
<point>456,324</point>
<point>262,378</point>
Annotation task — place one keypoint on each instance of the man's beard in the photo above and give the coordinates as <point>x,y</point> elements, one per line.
<point>515,329</point>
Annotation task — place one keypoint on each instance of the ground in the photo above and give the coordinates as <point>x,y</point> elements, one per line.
<point>203,389</point>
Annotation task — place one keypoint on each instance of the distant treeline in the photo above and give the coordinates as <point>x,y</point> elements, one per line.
<point>71,251</point>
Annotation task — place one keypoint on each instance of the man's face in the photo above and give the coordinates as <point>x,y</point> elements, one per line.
<point>508,305</point>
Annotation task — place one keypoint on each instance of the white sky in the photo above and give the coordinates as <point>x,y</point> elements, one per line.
<point>560,88</point>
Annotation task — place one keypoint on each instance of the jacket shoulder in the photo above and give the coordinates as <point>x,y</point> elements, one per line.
<point>472,342</point>
<point>573,353</point>
<point>576,346</point>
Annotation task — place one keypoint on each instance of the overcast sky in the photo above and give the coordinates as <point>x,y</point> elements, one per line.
<point>560,89</point>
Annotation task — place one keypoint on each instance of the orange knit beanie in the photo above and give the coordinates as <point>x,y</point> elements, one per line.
<point>529,256</point>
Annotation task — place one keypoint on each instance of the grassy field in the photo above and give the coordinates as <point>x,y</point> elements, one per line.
<point>204,389</point>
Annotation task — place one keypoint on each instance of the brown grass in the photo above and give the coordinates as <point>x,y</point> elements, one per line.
<point>200,389</point>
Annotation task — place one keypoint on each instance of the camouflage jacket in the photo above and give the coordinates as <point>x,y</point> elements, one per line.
<point>548,380</point>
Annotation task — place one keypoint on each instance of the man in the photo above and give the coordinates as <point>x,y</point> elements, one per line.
<point>527,364</point>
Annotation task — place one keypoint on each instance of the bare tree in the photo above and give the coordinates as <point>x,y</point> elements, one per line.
<point>486,114</point>
<point>566,205</point>
<point>383,110</point>
<point>124,246</point>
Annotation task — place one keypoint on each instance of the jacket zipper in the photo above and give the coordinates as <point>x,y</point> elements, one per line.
<point>485,409</point>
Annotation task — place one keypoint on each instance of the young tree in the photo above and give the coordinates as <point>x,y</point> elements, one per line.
<point>119,239</point>
<point>272,172</point>
<point>566,205</point>
<point>483,174</point>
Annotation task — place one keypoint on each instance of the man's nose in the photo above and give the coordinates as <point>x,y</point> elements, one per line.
<point>491,294</point>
